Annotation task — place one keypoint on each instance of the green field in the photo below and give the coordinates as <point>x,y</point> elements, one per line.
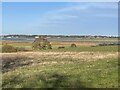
<point>80,48</point>
<point>81,67</point>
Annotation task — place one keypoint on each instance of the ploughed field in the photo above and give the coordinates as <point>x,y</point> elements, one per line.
<point>86,66</point>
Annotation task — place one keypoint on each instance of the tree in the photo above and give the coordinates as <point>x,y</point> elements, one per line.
<point>41,43</point>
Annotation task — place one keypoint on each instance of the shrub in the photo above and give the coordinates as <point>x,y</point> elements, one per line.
<point>49,46</point>
<point>8,48</point>
<point>73,45</point>
<point>61,47</point>
<point>41,43</point>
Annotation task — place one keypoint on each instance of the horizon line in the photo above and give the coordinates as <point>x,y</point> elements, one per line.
<point>54,35</point>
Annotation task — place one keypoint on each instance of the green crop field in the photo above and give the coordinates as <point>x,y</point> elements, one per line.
<point>80,67</point>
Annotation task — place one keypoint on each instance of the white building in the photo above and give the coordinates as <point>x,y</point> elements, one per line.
<point>36,36</point>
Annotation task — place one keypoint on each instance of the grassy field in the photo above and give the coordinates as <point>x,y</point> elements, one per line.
<point>80,46</point>
<point>87,66</point>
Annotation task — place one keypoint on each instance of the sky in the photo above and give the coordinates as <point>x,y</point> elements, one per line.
<point>60,18</point>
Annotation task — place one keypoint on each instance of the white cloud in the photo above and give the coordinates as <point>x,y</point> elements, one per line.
<point>70,11</point>
<point>65,13</point>
<point>106,15</point>
<point>75,16</point>
<point>77,10</point>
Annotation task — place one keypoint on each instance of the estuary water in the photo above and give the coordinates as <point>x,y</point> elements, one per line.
<point>64,39</point>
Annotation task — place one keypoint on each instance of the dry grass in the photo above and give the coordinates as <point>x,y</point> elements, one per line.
<point>10,42</point>
<point>88,56</point>
<point>71,42</point>
<point>21,59</point>
<point>54,43</point>
<point>98,67</point>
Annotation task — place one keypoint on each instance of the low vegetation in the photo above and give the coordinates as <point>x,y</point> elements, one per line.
<point>41,43</point>
<point>61,47</point>
<point>22,49</point>
<point>59,65</point>
<point>73,45</point>
<point>8,49</point>
<point>60,70</point>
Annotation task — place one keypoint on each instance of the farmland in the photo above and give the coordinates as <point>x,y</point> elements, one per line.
<point>86,66</point>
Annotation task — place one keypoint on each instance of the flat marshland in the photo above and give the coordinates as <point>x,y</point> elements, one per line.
<point>86,66</point>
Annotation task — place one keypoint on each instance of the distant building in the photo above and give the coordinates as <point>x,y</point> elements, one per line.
<point>48,37</point>
<point>58,37</point>
<point>8,37</point>
<point>36,36</point>
<point>16,37</point>
<point>97,36</point>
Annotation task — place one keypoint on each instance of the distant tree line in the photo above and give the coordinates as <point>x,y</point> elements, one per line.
<point>74,36</point>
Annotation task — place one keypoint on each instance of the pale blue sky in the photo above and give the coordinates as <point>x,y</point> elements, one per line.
<point>61,18</point>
